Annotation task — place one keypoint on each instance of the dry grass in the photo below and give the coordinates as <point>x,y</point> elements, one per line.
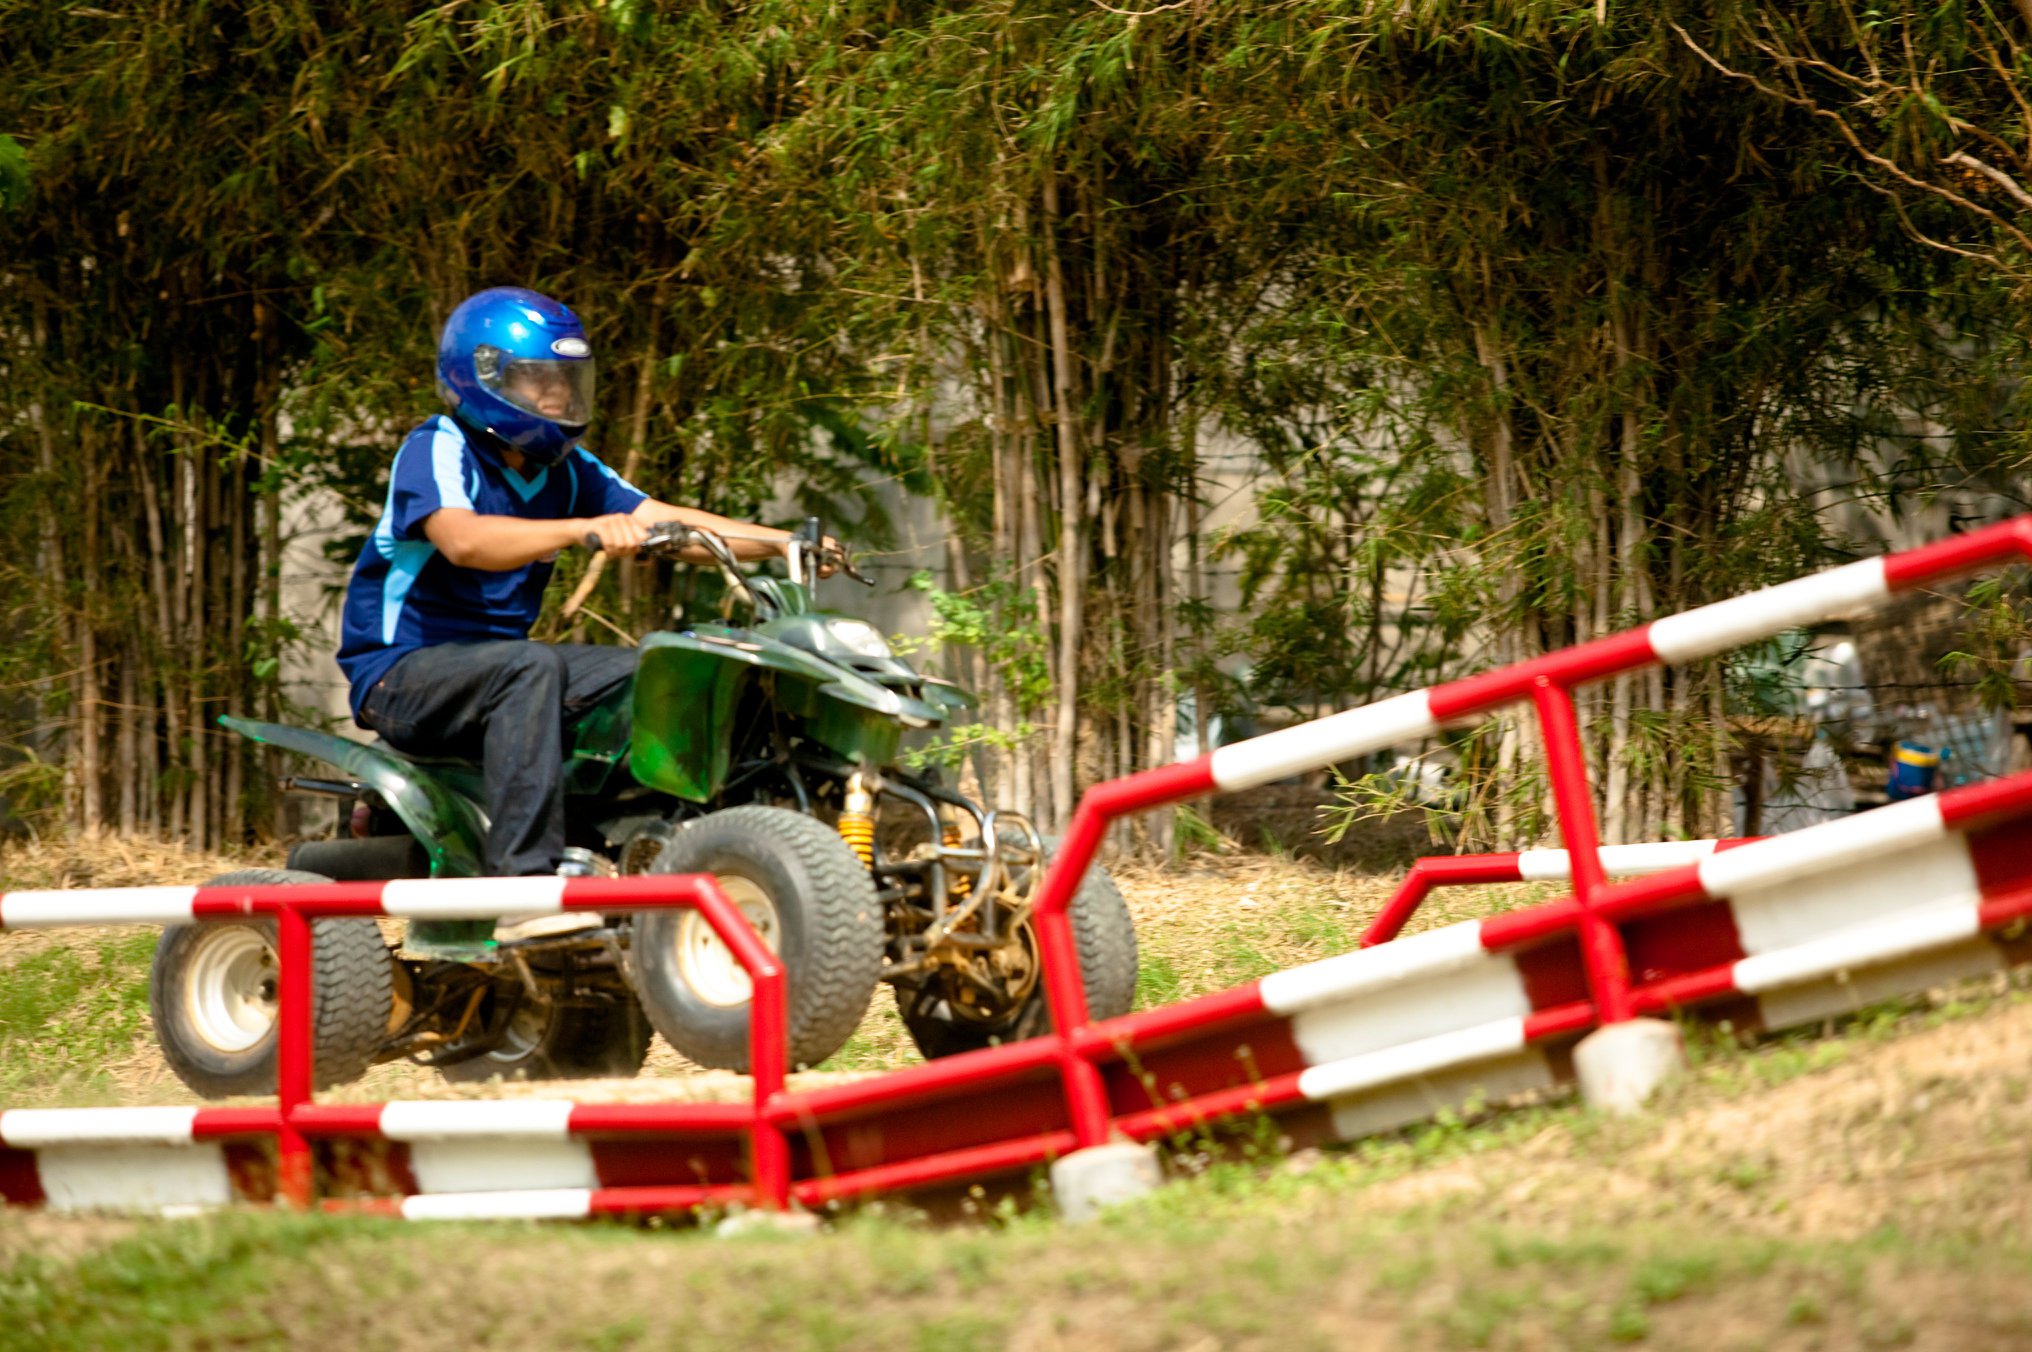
<point>111,861</point>
<point>105,862</point>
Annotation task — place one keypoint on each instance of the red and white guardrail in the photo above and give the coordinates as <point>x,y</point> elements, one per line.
<point>1547,682</point>
<point>1524,866</point>
<point>164,1158</point>
<point>1769,932</point>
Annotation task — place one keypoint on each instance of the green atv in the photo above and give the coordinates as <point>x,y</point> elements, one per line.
<point>763,754</point>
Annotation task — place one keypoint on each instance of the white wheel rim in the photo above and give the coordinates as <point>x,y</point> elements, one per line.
<point>707,965</point>
<point>230,994</point>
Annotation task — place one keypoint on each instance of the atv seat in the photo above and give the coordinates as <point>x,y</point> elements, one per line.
<point>427,762</point>
<point>582,774</point>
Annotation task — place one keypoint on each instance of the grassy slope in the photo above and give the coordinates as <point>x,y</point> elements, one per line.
<point>1855,1190</point>
<point>1866,1190</point>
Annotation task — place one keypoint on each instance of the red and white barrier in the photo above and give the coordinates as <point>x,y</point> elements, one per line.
<point>163,1158</point>
<point>98,1159</point>
<point>1526,866</point>
<point>1764,933</point>
<point>402,899</point>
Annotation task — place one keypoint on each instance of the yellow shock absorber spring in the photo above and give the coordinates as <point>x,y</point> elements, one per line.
<point>857,820</point>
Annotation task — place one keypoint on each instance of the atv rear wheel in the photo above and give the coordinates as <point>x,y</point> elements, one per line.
<point>813,903</point>
<point>562,1042</point>
<point>212,988</point>
<point>1106,939</point>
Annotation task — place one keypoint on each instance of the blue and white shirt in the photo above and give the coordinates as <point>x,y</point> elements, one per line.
<point>405,595</point>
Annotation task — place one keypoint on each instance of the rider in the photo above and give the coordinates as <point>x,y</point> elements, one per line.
<point>435,635</point>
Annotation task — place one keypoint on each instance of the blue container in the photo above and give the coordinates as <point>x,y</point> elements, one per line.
<point>1914,768</point>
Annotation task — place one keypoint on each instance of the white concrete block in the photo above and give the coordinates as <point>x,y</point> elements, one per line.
<point>1620,1065</point>
<point>1086,1182</point>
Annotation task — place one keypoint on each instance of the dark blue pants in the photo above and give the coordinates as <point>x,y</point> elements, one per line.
<point>510,706</point>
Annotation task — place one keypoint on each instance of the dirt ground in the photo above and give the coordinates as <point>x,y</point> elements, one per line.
<point>1925,1131</point>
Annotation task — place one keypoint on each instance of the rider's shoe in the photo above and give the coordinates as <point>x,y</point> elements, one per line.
<point>515,929</point>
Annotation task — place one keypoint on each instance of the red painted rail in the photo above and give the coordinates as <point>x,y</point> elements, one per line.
<point>1548,683</point>
<point>1428,875</point>
<point>297,1119</point>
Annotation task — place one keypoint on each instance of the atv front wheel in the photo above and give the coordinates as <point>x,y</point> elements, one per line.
<point>212,989</point>
<point>813,903</point>
<point>561,1042</point>
<point>1106,939</point>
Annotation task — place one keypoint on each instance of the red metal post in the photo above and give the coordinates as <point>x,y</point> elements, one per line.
<point>294,1167</point>
<point>1403,903</point>
<point>1086,1096</point>
<point>768,1039</point>
<point>1435,871</point>
<point>1608,967</point>
<point>2004,542</point>
<point>1578,665</point>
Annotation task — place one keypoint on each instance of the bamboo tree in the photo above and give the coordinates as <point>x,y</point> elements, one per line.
<point>1528,311</point>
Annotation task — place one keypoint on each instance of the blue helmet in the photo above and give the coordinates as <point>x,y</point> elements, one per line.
<point>517,365</point>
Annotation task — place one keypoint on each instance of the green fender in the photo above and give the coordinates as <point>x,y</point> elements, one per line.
<point>688,686</point>
<point>449,825</point>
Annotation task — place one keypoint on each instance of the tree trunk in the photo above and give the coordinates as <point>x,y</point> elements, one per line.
<point>130,749</point>
<point>1071,496</point>
<point>271,609</point>
<point>238,564</point>
<point>165,583</point>
<point>1032,791</point>
<point>631,468</point>
<point>1517,739</point>
<point>90,712</point>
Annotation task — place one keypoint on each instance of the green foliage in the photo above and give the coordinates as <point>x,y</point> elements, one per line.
<point>1999,625</point>
<point>30,787</point>
<point>1192,832</point>
<point>998,619</point>
<point>14,179</point>
<point>961,740</point>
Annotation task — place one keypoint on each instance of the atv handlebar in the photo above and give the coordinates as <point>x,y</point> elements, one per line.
<point>808,551</point>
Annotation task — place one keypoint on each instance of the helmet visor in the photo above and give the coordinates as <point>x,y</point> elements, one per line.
<point>559,391</point>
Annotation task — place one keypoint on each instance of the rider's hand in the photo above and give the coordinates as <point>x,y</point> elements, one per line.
<point>830,554</point>
<point>619,534</point>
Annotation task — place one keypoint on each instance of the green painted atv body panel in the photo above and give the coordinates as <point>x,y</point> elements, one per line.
<point>674,724</point>
<point>688,687</point>
<point>440,803</point>
<point>599,743</point>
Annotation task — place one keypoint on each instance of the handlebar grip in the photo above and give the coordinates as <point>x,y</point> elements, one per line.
<point>844,562</point>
